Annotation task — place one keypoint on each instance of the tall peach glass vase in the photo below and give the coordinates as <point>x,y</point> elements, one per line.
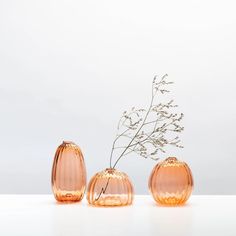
<point>110,188</point>
<point>171,182</point>
<point>68,173</point>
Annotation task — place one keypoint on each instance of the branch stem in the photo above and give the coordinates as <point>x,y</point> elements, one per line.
<point>144,120</point>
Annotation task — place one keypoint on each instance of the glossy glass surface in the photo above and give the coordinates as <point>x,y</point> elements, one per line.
<point>68,173</point>
<point>110,188</point>
<point>171,182</point>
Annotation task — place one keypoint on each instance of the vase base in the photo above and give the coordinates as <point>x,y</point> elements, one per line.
<point>111,201</point>
<point>72,196</point>
<point>171,201</point>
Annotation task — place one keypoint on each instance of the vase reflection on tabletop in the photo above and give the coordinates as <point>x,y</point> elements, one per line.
<point>171,182</point>
<point>110,188</point>
<point>68,173</point>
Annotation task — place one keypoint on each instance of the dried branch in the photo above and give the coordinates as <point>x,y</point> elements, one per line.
<point>137,123</point>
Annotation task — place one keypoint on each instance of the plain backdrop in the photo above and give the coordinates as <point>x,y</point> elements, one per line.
<point>68,69</point>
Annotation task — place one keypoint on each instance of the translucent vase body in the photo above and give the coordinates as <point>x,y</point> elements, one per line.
<point>110,188</point>
<point>171,182</point>
<point>68,173</point>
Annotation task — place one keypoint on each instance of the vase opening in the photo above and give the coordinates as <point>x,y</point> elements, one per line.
<point>68,142</point>
<point>171,159</point>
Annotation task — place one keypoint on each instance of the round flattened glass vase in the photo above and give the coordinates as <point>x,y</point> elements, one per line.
<point>68,173</point>
<point>171,182</point>
<point>110,188</point>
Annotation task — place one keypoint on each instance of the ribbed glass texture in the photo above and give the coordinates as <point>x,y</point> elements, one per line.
<point>110,188</point>
<point>68,173</point>
<point>171,182</point>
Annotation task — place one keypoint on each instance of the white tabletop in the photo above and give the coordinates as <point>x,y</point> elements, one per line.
<point>40,215</point>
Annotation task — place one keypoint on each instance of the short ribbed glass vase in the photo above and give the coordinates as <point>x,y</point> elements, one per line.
<point>171,182</point>
<point>68,173</point>
<point>110,188</point>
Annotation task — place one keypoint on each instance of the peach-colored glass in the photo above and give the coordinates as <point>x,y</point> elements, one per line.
<point>110,188</point>
<point>68,173</point>
<point>171,182</point>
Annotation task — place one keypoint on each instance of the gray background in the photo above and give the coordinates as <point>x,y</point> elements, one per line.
<point>68,69</point>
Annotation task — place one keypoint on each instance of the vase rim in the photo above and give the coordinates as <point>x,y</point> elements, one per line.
<point>110,168</point>
<point>171,159</point>
<point>67,142</point>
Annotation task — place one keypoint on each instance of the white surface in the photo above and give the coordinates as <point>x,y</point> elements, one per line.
<point>69,68</point>
<point>40,215</point>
